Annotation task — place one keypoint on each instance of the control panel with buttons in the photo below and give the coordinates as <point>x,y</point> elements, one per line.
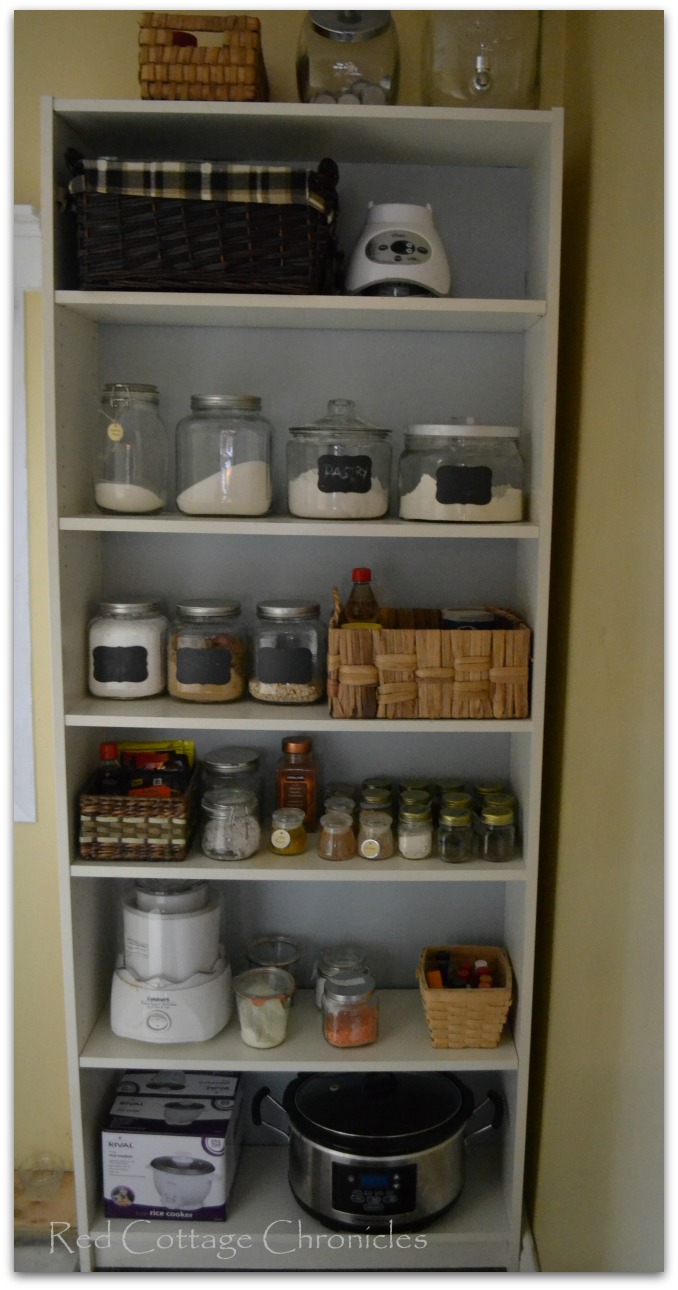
<point>380,1191</point>
<point>398,246</point>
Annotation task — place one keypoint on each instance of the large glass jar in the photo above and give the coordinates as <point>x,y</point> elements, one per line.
<point>224,457</point>
<point>127,649</point>
<point>481,58</point>
<point>350,1009</point>
<point>348,56</point>
<point>207,653</point>
<point>130,452</point>
<point>233,768</point>
<point>230,829</point>
<point>461,472</point>
<point>339,468</point>
<point>289,652</point>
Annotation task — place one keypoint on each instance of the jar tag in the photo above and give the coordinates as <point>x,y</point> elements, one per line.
<point>280,838</point>
<point>115,431</point>
<point>370,848</point>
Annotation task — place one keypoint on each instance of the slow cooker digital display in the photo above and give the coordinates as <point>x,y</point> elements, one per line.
<point>375,1193</point>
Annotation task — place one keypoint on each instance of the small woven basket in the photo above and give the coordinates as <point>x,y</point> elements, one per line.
<point>172,67</point>
<point>466,1018</point>
<point>137,828</point>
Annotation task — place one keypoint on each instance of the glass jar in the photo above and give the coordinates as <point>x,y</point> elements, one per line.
<point>224,457</point>
<point>340,802</point>
<point>350,1010</point>
<point>339,468</point>
<point>207,652</point>
<point>496,833</point>
<point>289,652</point>
<point>296,778</point>
<point>375,835</point>
<point>455,835</point>
<point>484,789</point>
<point>377,799</point>
<point>263,997</point>
<point>130,453</point>
<point>337,839</point>
<point>127,649</point>
<point>481,58</point>
<point>274,951</point>
<point>288,834</point>
<point>461,472</point>
<point>415,834</point>
<point>347,56</point>
<point>230,829</point>
<point>334,959</point>
<point>233,768</point>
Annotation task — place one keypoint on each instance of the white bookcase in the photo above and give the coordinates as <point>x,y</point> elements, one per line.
<point>493,179</point>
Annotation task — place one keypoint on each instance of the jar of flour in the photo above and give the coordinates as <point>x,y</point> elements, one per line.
<point>338,468</point>
<point>224,457</point>
<point>130,454</point>
<point>461,472</point>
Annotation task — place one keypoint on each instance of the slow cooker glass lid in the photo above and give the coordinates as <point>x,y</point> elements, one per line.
<point>383,1106</point>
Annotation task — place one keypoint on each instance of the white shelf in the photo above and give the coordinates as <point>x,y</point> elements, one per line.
<point>403,1044</point>
<point>473,1233</point>
<point>290,526</point>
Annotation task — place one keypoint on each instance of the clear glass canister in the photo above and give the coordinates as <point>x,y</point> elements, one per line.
<point>348,56</point>
<point>233,768</point>
<point>375,835</point>
<point>224,457</point>
<point>289,652</point>
<point>207,652</point>
<point>481,58</point>
<point>130,454</point>
<point>350,1010</point>
<point>415,834</point>
<point>461,472</point>
<point>334,959</point>
<point>455,835</point>
<point>496,830</point>
<point>288,832</point>
<point>338,468</point>
<point>230,829</point>
<point>337,839</point>
<point>127,649</point>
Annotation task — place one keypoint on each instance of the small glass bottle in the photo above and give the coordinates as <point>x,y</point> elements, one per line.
<point>224,457</point>
<point>350,1010</point>
<point>361,606</point>
<point>289,654</point>
<point>497,834</point>
<point>334,959</point>
<point>297,778</point>
<point>337,839</point>
<point>207,652</point>
<point>230,829</point>
<point>288,835</point>
<point>110,775</point>
<point>455,835</point>
<point>130,454</point>
<point>127,650</point>
<point>234,768</point>
<point>415,834</point>
<point>375,835</point>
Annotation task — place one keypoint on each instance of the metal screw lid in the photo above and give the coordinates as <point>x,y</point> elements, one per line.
<point>120,389</point>
<point>229,402</point>
<point>209,608</point>
<point>285,609</point>
<point>227,760</point>
<point>349,24</point>
<point>455,816</point>
<point>128,608</point>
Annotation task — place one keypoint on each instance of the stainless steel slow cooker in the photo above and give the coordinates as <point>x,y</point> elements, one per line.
<point>377,1151</point>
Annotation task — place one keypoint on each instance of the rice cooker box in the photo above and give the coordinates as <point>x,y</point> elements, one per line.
<point>172,1155</point>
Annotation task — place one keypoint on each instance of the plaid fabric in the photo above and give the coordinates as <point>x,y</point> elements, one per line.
<point>209,181</point>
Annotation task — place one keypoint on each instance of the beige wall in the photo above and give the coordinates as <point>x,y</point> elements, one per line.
<point>594,1162</point>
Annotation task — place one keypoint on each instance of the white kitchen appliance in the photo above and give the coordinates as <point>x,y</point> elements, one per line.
<point>172,982</point>
<point>398,253</point>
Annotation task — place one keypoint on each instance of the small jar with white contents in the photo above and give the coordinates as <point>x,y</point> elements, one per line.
<point>130,451</point>
<point>127,650</point>
<point>415,833</point>
<point>461,473</point>
<point>339,468</point>
<point>224,457</point>
<point>230,829</point>
<point>263,997</point>
<point>289,652</point>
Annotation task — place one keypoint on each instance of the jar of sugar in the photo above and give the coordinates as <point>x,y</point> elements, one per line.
<point>127,649</point>
<point>224,457</point>
<point>338,468</point>
<point>461,472</point>
<point>130,453</point>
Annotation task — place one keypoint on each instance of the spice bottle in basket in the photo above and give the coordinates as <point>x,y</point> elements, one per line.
<point>361,606</point>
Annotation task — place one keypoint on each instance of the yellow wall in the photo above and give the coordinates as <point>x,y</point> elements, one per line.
<point>593,1165</point>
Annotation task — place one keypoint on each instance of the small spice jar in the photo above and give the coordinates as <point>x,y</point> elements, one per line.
<point>340,802</point>
<point>130,454</point>
<point>496,832</point>
<point>461,472</point>
<point>333,960</point>
<point>289,652</point>
<point>415,833</point>
<point>350,1010</point>
<point>233,768</point>
<point>127,649</point>
<point>230,829</point>
<point>455,835</point>
<point>337,839</point>
<point>224,457</point>
<point>339,468</point>
<point>375,835</point>
<point>207,652</point>
<point>288,835</point>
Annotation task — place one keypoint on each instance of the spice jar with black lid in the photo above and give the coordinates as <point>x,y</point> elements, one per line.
<point>207,653</point>
<point>289,652</point>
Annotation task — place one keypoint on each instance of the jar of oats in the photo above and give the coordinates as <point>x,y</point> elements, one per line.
<point>289,652</point>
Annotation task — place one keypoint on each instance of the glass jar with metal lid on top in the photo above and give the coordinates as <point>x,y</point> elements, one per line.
<point>127,649</point>
<point>207,652</point>
<point>289,652</point>
<point>339,468</point>
<point>350,1009</point>
<point>415,833</point>
<point>334,959</point>
<point>348,56</point>
<point>224,457</point>
<point>130,453</point>
<point>461,472</point>
<point>228,767</point>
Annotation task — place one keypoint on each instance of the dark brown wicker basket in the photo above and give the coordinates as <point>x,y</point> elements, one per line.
<point>137,828</point>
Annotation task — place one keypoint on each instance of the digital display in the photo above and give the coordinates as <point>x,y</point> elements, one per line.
<point>375,1180</point>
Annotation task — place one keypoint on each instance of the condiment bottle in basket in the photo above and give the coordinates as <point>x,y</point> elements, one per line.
<point>361,606</point>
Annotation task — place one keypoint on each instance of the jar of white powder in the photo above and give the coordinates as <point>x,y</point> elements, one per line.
<point>339,468</point>
<point>127,649</point>
<point>224,457</point>
<point>461,472</point>
<point>130,454</point>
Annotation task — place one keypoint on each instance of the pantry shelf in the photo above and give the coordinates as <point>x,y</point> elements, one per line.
<point>290,525</point>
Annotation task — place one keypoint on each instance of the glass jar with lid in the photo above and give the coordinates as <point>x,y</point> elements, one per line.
<point>455,837</point>
<point>334,959</point>
<point>415,833</point>
<point>348,56</point>
<point>228,767</point>
<point>130,452</point>
<point>338,468</point>
<point>224,457</point>
<point>496,833</point>
<point>289,652</point>
<point>127,649</point>
<point>337,839</point>
<point>207,652</point>
<point>375,835</point>
<point>288,831</point>
<point>229,829</point>
<point>350,1010</point>
<point>461,472</point>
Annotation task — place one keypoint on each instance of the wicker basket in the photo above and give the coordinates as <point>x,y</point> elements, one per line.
<point>410,666</point>
<point>466,1018</point>
<point>172,68</point>
<point>137,828</point>
<point>171,226</point>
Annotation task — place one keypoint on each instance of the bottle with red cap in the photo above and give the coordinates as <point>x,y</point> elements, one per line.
<point>110,774</point>
<point>361,606</point>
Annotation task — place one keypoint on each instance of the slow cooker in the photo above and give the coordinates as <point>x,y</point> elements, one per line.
<point>378,1151</point>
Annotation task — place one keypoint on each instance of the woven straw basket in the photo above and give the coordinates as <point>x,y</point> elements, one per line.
<point>137,828</point>
<point>467,1018</point>
<point>232,72</point>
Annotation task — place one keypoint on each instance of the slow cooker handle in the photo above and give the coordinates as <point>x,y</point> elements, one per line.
<point>496,1101</point>
<point>257,1119</point>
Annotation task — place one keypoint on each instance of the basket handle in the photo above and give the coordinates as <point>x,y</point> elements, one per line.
<point>496,1101</point>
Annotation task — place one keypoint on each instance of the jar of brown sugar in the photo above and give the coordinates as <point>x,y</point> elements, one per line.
<point>207,652</point>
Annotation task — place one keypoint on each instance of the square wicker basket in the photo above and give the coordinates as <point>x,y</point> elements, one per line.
<point>172,67</point>
<point>137,828</point>
<point>466,1018</point>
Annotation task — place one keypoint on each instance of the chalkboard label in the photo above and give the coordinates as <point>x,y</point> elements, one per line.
<point>292,665</point>
<point>464,485</point>
<point>203,666</point>
<point>120,663</point>
<point>344,474</point>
